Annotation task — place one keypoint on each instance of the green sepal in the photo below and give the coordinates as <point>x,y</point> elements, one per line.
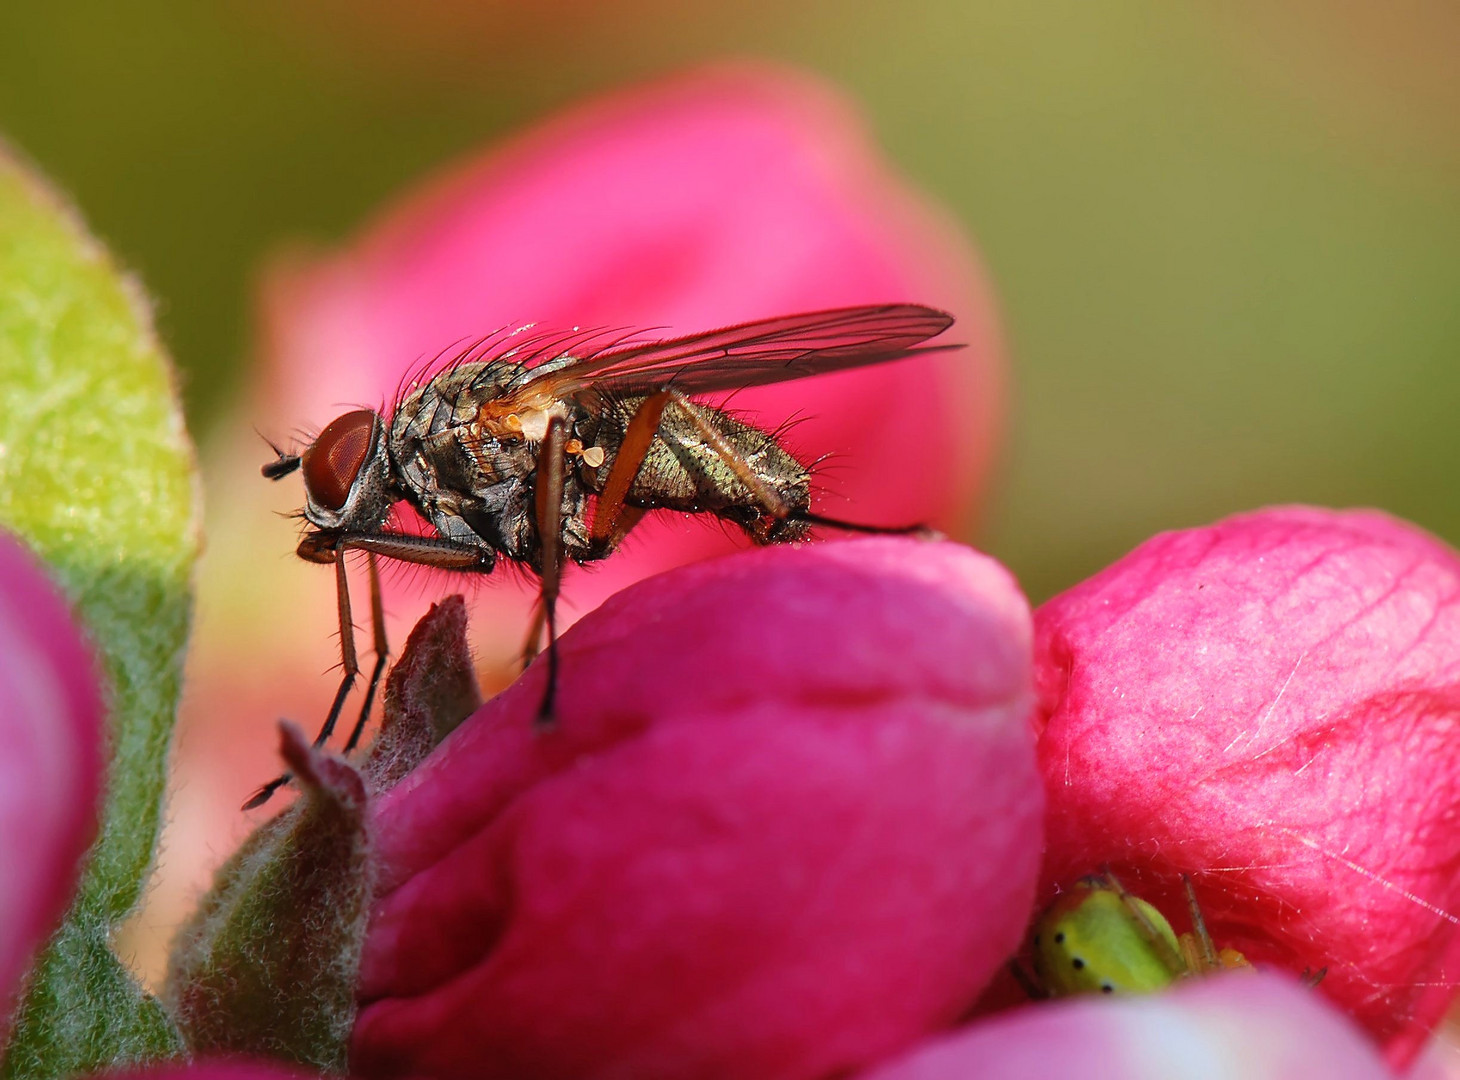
<point>432,690</point>
<point>269,962</point>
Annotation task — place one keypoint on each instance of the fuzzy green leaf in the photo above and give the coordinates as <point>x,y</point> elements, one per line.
<point>84,1008</point>
<point>97,477</point>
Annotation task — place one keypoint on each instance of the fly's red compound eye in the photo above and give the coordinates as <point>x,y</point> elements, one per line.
<point>334,459</point>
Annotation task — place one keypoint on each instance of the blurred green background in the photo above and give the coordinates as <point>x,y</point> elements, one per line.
<point>1225,236</point>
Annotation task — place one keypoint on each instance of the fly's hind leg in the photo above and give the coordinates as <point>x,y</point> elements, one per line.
<point>767,498</point>
<point>612,516</point>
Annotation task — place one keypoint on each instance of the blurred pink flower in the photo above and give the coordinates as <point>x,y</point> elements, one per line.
<point>1272,704</point>
<point>728,194</point>
<point>1236,1027</point>
<point>50,771</point>
<point>790,823</point>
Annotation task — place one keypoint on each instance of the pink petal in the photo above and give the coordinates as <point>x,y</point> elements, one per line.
<point>789,822</point>
<point>1237,1027</point>
<point>1272,704</point>
<point>729,194</point>
<point>50,770</point>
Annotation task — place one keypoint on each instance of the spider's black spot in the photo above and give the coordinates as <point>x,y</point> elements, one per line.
<point>1036,940</point>
<point>1059,939</point>
<point>1106,988</point>
<point>1078,963</point>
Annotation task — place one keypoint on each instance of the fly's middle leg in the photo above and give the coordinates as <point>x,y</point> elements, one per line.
<point>552,468</point>
<point>612,519</point>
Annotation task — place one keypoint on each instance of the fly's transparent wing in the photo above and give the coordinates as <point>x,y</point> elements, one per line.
<point>752,354</point>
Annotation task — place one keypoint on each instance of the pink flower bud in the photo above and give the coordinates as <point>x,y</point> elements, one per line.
<point>1272,704</point>
<point>1236,1027</point>
<point>50,766</point>
<point>787,822</point>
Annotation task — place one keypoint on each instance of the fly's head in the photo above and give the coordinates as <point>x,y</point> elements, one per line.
<point>346,475</point>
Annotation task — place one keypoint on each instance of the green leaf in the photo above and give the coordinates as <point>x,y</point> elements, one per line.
<point>97,477</point>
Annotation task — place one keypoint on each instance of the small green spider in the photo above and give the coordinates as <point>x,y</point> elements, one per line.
<point>1097,938</point>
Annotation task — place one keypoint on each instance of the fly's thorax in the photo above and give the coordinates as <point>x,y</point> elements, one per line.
<point>465,454</point>
<point>454,396</point>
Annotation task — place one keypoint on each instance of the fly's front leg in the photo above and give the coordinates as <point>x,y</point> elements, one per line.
<point>382,651</point>
<point>349,660</point>
<point>324,547</point>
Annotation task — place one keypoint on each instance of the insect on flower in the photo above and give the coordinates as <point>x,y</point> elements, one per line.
<point>544,448</point>
<point>1097,938</point>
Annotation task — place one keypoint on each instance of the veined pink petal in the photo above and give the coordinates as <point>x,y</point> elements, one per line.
<point>50,769</point>
<point>728,194</point>
<point>788,822</point>
<point>1272,704</point>
<point>1236,1027</point>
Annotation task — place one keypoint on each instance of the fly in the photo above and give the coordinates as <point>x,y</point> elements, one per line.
<point>545,449</point>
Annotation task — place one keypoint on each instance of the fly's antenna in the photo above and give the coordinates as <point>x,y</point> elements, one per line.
<point>277,470</point>
<point>282,465</point>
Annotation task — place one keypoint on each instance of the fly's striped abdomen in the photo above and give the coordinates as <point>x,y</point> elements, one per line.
<point>687,469</point>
